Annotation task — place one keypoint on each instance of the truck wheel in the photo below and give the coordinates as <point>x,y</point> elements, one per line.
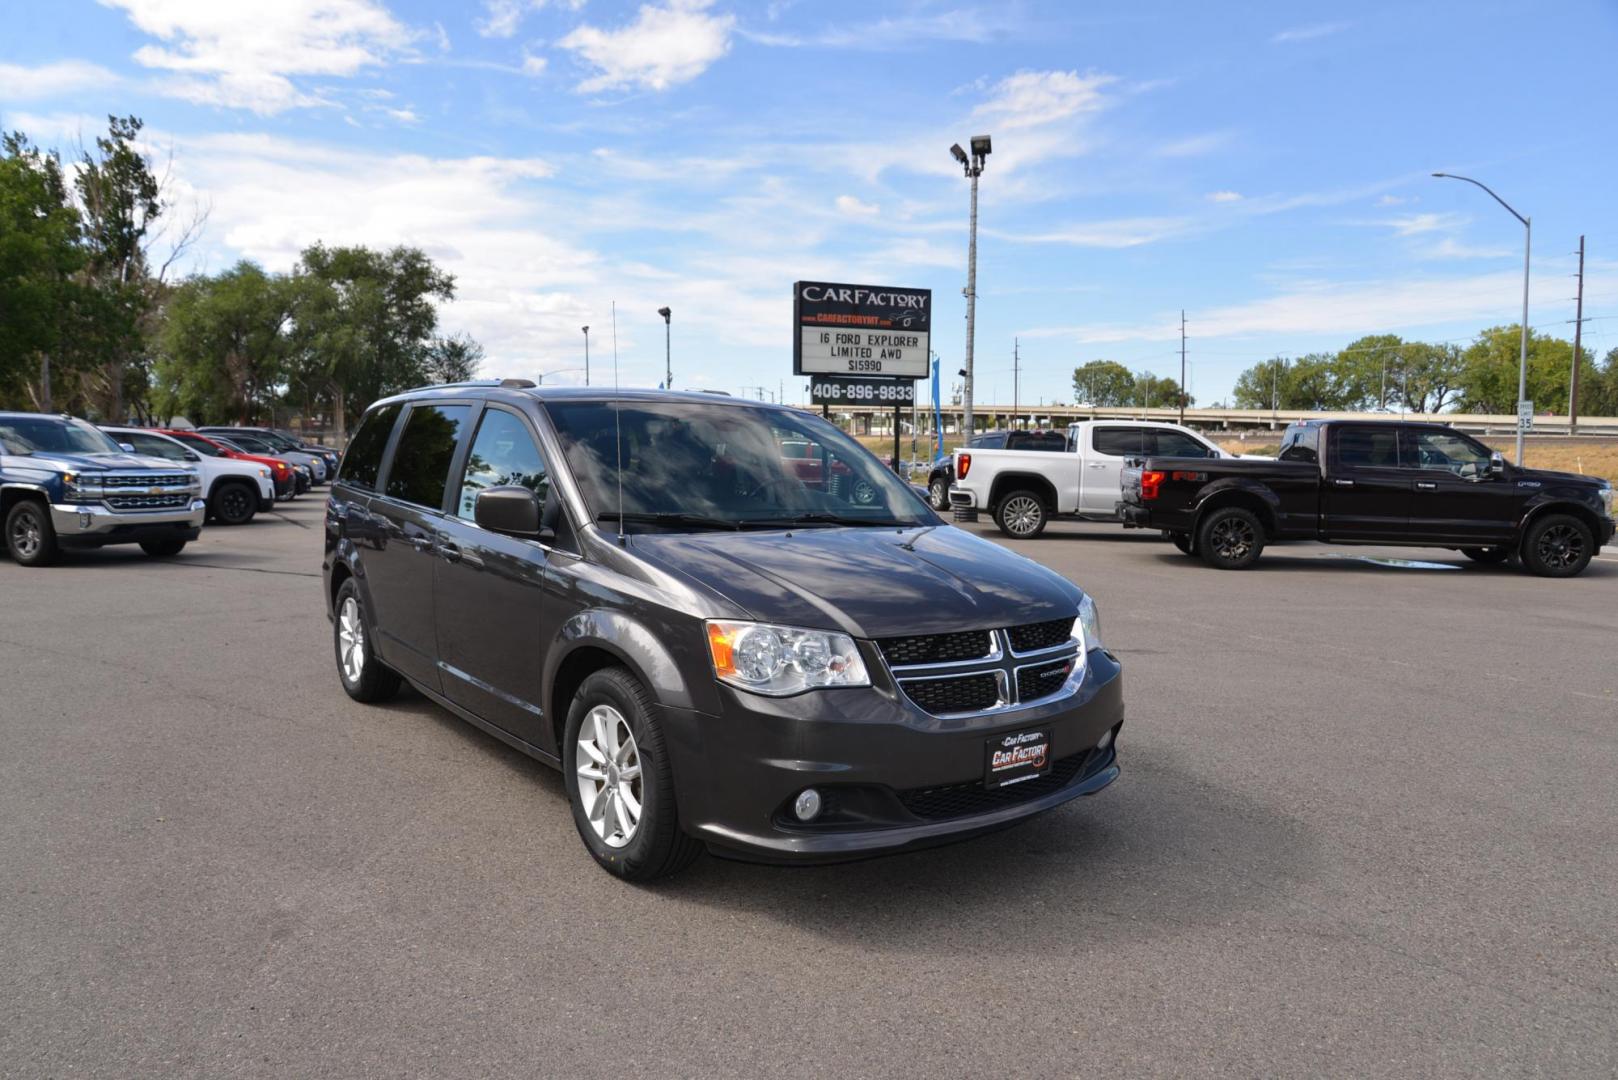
<point>162,549</point>
<point>1487,556</point>
<point>1183,542</point>
<point>30,536</point>
<point>1021,515</point>
<point>1230,539</point>
<point>364,677</point>
<point>619,781</point>
<point>938,494</point>
<point>234,503</point>
<point>1557,545</point>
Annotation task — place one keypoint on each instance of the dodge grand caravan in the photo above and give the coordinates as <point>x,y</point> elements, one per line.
<point>716,647</point>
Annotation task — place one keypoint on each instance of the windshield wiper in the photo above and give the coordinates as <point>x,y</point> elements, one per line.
<point>669,517</point>
<point>821,518</point>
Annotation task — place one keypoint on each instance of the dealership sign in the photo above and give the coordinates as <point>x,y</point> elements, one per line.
<point>866,330</point>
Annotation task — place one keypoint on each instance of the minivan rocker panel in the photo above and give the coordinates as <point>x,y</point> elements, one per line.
<point>965,647</point>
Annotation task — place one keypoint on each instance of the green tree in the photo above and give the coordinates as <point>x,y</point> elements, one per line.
<point>222,349</point>
<point>1309,382</point>
<point>1489,369</point>
<point>1103,382</point>
<point>1157,392</point>
<point>39,254</point>
<point>453,359</point>
<point>1598,396</point>
<point>1365,372</point>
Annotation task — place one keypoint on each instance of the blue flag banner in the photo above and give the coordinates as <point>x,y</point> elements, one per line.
<point>938,415</point>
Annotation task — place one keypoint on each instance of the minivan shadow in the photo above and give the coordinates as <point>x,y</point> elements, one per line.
<point>1163,847</point>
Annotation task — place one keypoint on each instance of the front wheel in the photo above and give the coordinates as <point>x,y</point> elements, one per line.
<point>1487,556</point>
<point>234,504</point>
<point>162,549</point>
<point>619,781</point>
<point>1230,539</point>
<point>30,536</point>
<point>1021,515</point>
<point>1557,545</point>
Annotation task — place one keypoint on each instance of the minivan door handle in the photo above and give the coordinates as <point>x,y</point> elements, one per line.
<point>450,551</point>
<point>421,543</point>
<point>1343,483</point>
<point>1426,485</point>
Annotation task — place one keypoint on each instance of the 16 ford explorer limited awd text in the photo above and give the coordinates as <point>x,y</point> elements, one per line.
<point>717,647</point>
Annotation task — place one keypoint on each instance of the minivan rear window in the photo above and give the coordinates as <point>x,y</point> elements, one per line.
<point>421,460</point>
<point>363,459</point>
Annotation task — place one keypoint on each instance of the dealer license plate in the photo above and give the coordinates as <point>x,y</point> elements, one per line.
<point>1015,757</point>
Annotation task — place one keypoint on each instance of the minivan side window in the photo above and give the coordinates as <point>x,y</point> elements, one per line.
<point>421,459</point>
<point>363,459</point>
<point>1120,441</point>
<point>503,453</point>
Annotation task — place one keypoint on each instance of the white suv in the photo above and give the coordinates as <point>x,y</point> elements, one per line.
<point>235,489</point>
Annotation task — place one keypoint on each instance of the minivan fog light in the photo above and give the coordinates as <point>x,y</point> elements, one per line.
<point>806,806</point>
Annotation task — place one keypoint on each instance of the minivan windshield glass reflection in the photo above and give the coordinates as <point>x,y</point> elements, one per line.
<point>689,465</point>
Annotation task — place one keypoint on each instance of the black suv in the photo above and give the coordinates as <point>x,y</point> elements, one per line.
<point>719,641</point>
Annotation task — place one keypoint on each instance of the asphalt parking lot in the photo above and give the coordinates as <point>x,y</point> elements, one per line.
<point>1365,827</point>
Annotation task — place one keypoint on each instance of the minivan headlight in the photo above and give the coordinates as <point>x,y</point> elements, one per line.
<point>1090,620</point>
<point>783,660</point>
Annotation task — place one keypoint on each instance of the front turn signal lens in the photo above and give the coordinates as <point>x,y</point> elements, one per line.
<point>783,660</point>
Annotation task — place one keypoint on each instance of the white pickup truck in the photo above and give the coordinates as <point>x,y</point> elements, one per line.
<point>1024,489</point>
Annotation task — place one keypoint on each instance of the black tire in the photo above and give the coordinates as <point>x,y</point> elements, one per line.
<point>1487,556</point>
<point>938,493</point>
<point>1557,545</point>
<point>162,549</point>
<point>234,503</point>
<point>1183,542</point>
<point>30,536</point>
<point>656,846</point>
<point>370,681</point>
<point>1230,538</point>
<point>1021,515</point>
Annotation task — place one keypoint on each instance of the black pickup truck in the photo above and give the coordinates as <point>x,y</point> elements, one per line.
<point>1368,482</point>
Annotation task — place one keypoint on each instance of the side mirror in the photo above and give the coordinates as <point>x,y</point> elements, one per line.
<point>512,510</point>
<point>1497,464</point>
<point>128,448</point>
<point>192,455</point>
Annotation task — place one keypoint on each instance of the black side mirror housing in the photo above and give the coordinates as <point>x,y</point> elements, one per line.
<point>513,511</point>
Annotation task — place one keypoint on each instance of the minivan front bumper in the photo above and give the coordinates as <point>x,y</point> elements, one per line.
<point>891,777</point>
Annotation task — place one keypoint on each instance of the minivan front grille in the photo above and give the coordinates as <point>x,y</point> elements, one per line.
<point>1042,681</point>
<point>937,648</point>
<point>958,694</point>
<point>1040,635</point>
<point>972,798</point>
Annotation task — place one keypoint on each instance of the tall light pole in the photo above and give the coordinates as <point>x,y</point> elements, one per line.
<point>973,165</point>
<point>668,363</point>
<point>1527,243</point>
<point>586,330</point>
<point>540,376</point>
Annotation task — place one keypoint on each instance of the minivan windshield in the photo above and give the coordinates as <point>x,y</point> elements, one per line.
<point>54,435</point>
<point>691,465</point>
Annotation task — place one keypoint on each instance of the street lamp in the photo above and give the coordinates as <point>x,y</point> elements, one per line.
<point>540,376</point>
<point>668,368</point>
<point>1527,243</point>
<point>973,167</point>
<point>586,330</point>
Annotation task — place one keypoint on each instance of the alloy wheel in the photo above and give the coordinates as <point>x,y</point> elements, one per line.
<point>1561,546</point>
<point>351,640</point>
<point>1022,515</point>
<point>233,503</point>
<point>940,495</point>
<point>607,762</point>
<point>26,534</point>
<point>1232,538</point>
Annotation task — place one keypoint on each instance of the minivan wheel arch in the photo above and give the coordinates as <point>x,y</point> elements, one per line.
<point>594,639</point>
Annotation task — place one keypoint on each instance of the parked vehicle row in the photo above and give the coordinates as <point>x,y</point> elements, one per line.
<point>65,483</point>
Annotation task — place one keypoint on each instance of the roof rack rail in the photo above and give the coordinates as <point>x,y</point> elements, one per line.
<point>518,384</point>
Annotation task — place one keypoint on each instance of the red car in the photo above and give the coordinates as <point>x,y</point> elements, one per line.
<point>285,481</point>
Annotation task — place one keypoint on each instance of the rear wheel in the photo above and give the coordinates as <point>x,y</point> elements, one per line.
<point>364,677</point>
<point>1021,515</point>
<point>938,493</point>
<point>619,781</point>
<point>1488,556</point>
<point>1230,538</point>
<point>1557,545</point>
<point>30,536</point>
<point>234,503</point>
<point>162,549</point>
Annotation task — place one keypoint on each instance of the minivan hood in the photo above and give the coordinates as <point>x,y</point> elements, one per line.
<point>868,582</point>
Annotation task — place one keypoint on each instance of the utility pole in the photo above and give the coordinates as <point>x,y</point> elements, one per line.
<point>586,356</point>
<point>668,363</point>
<point>1182,367</point>
<point>973,166</point>
<point>1578,325</point>
<point>1016,381</point>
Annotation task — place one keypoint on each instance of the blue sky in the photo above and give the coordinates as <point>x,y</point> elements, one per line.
<point>1264,166</point>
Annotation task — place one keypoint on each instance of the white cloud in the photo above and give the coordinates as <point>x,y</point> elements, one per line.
<point>1394,200</point>
<point>501,18</point>
<point>853,207</point>
<point>1194,145</point>
<point>404,116</point>
<point>663,47</point>
<point>20,83</point>
<point>897,32</point>
<point>1309,33</point>
<point>1450,248</point>
<point>1417,224</point>
<point>1122,233</point>
<point>1037,98</point>
<point>225,54</point>
<point>1224,196</point>
<point>533,65</point>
